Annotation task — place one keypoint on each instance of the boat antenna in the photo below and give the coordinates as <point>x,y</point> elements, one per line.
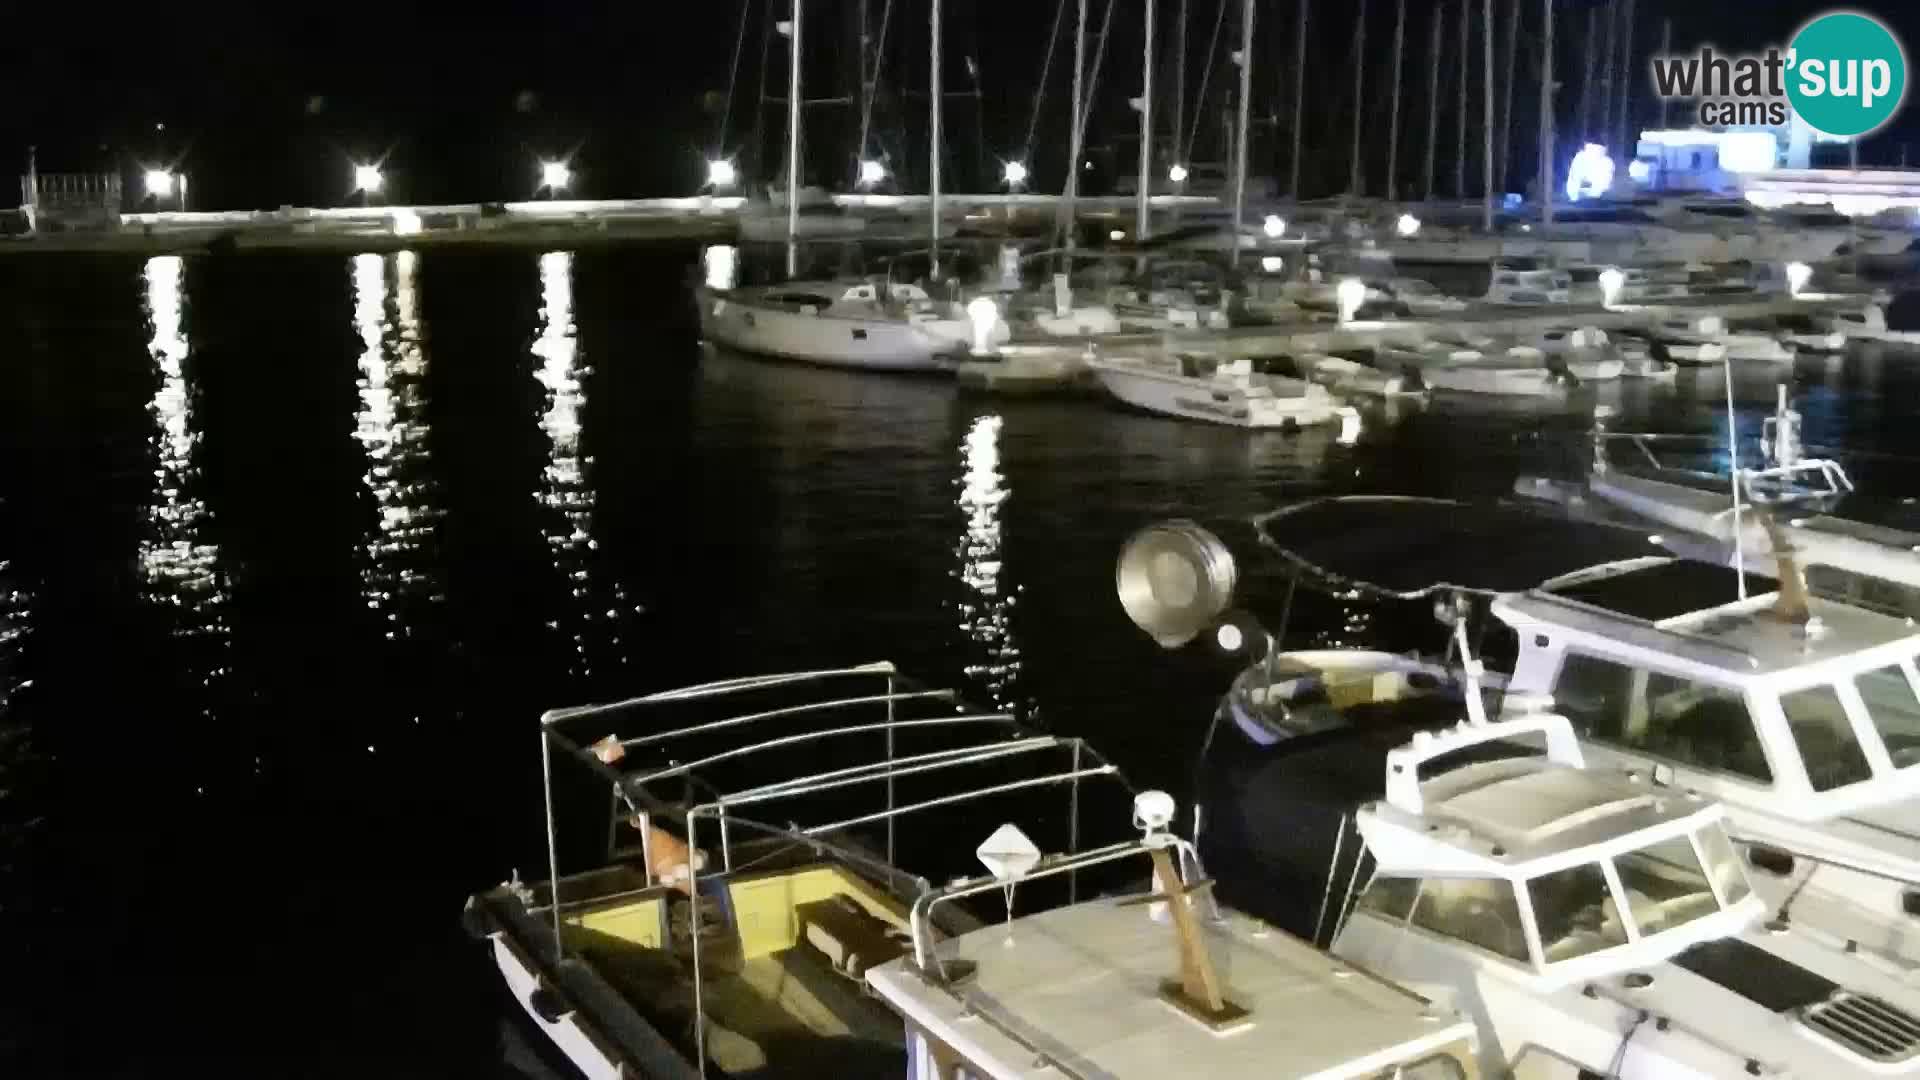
<point>1733,472</point>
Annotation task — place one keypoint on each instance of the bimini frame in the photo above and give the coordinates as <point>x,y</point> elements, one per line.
<point>820,701</point>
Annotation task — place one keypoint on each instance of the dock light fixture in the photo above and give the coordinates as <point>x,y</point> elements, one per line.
<point>1590,174</point>
<point>721,173</point>
<point>983,315</point>
<point>1117,234</point>
<point>1275,226</point>
<point>872,173</point>
<point>1177,173</point>
<point>159,183</point>
<point>1611,282</point>
<point>555,175</point>
<point>406,223</point>
<point>1351,292</point>
<point>1014,173</point>
<point>1272,264</point>
<point>1407,226</point>
<point>1798,274</point>
<point>368,178</point>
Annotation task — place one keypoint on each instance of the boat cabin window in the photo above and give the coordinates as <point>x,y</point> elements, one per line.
<point>1575,912</point>
<point>1692,723</point>
<point>1665,884</point>
<point>1479,911</point>
<point>1824,735</point>
<point>1894,710</point>
<point>801,298</point>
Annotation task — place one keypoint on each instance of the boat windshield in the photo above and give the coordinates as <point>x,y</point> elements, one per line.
<point>1828,740</point>
<point>1577,910</point>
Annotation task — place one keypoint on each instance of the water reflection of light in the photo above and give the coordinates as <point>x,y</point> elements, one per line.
<point>722,263</point>
<point>987,609</point>
<point>391,427</point>
<point>176,563</point>
<point>564,489</point>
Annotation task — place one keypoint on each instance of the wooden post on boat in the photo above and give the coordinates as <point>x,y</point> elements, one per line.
<point>1240,140</point>
<point>1197,991</point>
<point>933,144</point>
<point>793,142</point>
<point>1546,117</point>
<point>1460,133</point>
<point>1299,97</point>
<point>1359,83</point>
<point>1433,99</point>
<point>1393,113</point>
<point>1144,225</point>
<point>1486,114</point>
<point>1790,603</point>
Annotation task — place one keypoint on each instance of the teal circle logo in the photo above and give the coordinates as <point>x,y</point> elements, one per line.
<point>1847,73</point>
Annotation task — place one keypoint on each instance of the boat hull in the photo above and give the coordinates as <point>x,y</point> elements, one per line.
<point>1500,382</point>
<point>1212,401</point>
<point>830,340</point>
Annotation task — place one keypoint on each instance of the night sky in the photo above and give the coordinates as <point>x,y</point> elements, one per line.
<point>265,107</point>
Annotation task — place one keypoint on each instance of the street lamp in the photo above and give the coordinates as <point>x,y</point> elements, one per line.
<point>1611,282</point>
<point>159,183</point>
<point>1275,226</point>
<point>1350,293</point>
<point>1014,173</point>
<point>1177,173</point>
<point>1408,225</point>
<point>555,175</point>
<point>1798,274</point>
<point>721,173</point>
<point>872,173</point>
<point>367,178</point>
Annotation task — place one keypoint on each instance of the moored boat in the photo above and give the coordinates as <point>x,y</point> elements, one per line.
<point>1218,391</point>
<point>878,326</point>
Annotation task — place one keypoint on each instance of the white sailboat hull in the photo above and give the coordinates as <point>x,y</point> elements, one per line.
<point>871,344</point>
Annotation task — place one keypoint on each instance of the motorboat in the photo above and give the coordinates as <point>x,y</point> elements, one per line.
<point>1807,335</point>
<point>1695,342</point>
<point>870,325</point>
<point>1417,297</point>
<point>1585,351</point>
<point>1508,864</point>
<point>1526,282</point>
<point>1638,285</point>
<point>1351,378</point>
<point>749,920</point>
<point>1869,323</point>
<point>1217,391</point>
<point>1442,366</point>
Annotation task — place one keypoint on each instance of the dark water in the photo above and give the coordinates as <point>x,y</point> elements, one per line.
<point>296,549</point>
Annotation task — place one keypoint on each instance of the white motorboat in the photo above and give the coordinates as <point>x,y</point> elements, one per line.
<point>1422,298</point>
<point>1869,323</point>
<point>1806,334</point>
<point>1525,282</point>
<point>750,921</point>
<point>877,326</point>
<point>1585,351</point>
<point>1442,366</point>
<point>1352,378</point>
<point>1638,285</point>
<point>1218,391</point>
<point>1695,342</point>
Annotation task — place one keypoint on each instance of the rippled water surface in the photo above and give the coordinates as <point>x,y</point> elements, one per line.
<point>295,549</point>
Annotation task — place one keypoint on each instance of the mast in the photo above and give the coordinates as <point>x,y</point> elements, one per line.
<point>1546,116</point>
<point>1605,117</point>
<point>933,149</point>
<point>1142,227</point>
<point>1240,141</point>
<point>1359,67</point>
<point>1486,112</point>
<point>1433,98</point>
<point>1179,81</point>
<point>1505,146</point>
<point>1585,123</point>
<point>793,143</point>
<point>1623,114</point>
<point>1393,114</point>
<point>1460,132</point>
<point>1666,49</point>
<point>1299,97</point>
<point>1067,218</point>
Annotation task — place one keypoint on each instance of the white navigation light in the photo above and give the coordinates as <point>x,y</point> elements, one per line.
<point>983,314</point>
<point>721,173</point>
<point>1272,264</point>
<point>1008,854</point>
<point>1798,274</point>
<point>367,178</point>
<point>872,172</point>
<point>1351,292</point>
<point>1153,811</point>
<point>1117,234</point>
<point>1014,172</point>
<point>1177,173</point>
<point>1275,226</point>
<point>159,183</point>
<point>1408,225</point>
<point>1590,174</point>
<point>554,175</point>
<point>1611,282</point>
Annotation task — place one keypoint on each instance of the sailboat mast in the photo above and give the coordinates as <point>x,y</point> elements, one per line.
<point>1299,98</point>
<point>933,146</point>
<point>1546,116</point>
<point>793,143</point>
<point>1393,114</point>
<point>1604,119</point>
<point>1666,49</point>
<point>1460,131</point>
<point>1359,68</point>
<point>1240,141</point>
<point>1505,146</point>
<point>1179,80</point>
<point>1585,123</point>
<point>1486,112</point>
<point>1142,227</point>
<point>1067,219</point>
<point>1623,117</point>
<point>1433,98</point>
